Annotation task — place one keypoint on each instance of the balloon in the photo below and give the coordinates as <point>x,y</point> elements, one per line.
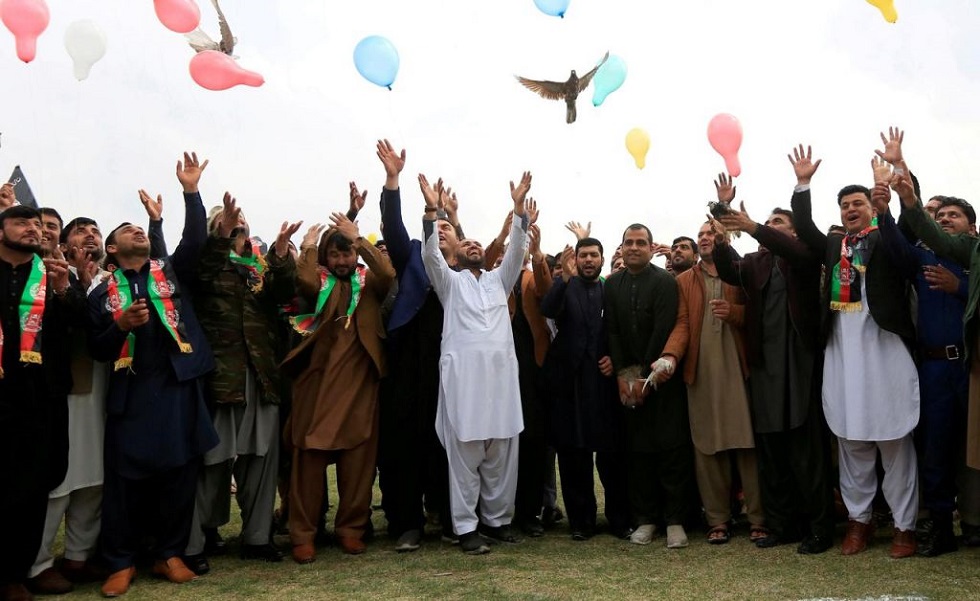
<point>85,43</point>
<point>182,16</point>
<point>638,143</point>
<point>215,70</point>
<point>887,8</point>
<point>554,8</point>
<point>26,19</point>
<point>607,79</point>
<point>376,60</point>
<point>725,135</point>
<point>372,238</point>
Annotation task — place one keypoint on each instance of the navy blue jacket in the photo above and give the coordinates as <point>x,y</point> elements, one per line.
<point>406,256</point>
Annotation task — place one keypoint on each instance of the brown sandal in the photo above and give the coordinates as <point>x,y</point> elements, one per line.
<point>718,535</point>
<point>757,533</point>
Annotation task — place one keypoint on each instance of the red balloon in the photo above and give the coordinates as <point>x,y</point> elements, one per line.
<point>26,19</point>
<point>725,135</point>
<point>182,16</point>
<point>215,70</point>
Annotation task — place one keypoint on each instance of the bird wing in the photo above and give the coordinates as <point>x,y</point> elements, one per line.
<point>585,80</point>
<point>227,39</point>
<point>200,41</point>
<point>552,90</point>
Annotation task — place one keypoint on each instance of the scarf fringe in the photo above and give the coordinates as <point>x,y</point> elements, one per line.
<point>845,307</point>
<point>122,363</point>
<point>30,357</point>
<point>185,347</point>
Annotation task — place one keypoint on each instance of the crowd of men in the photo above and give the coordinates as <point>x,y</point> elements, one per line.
<point>138,385</point>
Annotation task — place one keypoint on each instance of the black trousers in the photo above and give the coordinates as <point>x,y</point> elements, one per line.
<point>162,503</point>
<point>578,488</point>
<point>532,471</point>
<point>662,485</point>
<point>24,503</point>
<point>794,479</point>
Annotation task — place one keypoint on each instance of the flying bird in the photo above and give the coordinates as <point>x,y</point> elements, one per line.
<point>201,41</point>
<point>569,89</point>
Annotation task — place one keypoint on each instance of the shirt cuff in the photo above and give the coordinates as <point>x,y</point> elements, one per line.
<point>801,188</point>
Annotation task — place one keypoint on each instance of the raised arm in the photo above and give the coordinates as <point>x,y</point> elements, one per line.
<point>806,229</point>
<point>901,252</point>
<point>513,263</point>
<point>154,210</point>
<point>307,266</point>
<point>380,273</point>
<point>185,257</point>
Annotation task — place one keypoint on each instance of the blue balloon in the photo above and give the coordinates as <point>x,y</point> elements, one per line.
<point>555,8</point>
<point>376,60</point>
<point>607,79</point>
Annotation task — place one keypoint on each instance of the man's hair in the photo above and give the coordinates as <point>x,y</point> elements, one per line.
<point>853,189</point>
<point>551,260</point>
<point>75,223</point>
<point>639,226</point>
<point>588,242</point>
<point>952,201</point>
<point>457,228</point>
<point>111,238</point>
<point>679,239</point>
<point>785,212</point>
<point>19,212</point>
<point>49,212</point>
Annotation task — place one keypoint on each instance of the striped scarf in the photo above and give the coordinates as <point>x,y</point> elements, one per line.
<point>845,282</point>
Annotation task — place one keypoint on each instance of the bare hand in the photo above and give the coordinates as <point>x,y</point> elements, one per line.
<point>449,203</point>
<point>725,188</point>
<point>881,169</point>
<point>662,250</point>
<point>531,207</point>
<point>739,221</point>
<point>663,368</point>
<point>893,146</point>
<point>519,192</point>
<point>312,237</point>
<point>803,165</point>
<point>81,260</point>
<point>286,232</point>
<point>189,172</point>
<point>606,366</point>
<point>393,161</point>
<point>230,217</point>
<point>720,308</point>
<point>880,196</point>
<point>940,278</point>
<point>902,185</point>
<point>718,231</point>
<point>153,208</point>
<point>534,243</point>
<point>505,231</point>
<point>57,268</point>
<point>345,227</point>
<point>428,192</point>
<point>136,315</point>
<point>580,232</point>
<point>8,197</point>
<point>568,267</point>
<point>358,198</point>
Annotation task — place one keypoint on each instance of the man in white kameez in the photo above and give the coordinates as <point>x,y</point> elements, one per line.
<point>479,414</point>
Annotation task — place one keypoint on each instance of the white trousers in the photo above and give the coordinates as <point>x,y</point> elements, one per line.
<point>481,472</point>
<point>859,480</point>
<point>82,511</point>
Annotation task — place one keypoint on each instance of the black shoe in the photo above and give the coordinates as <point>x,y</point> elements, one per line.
<point>472,543</point>
<point>214,545</point>
<point>410,540</point>
<point>938,539</point>
<point>814,545</point>
<point>500,534</point>
<point>448,536</point>
<point>267,552</point>
<point>197,564</point>
<point>532,527</point>
<point>551,516</point>
<point>584,533</point>
<point>971,534</point>
<point>621,532</point>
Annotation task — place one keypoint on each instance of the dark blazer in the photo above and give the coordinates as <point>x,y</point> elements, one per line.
<point>406,257</point>
<point>889,271</point>
<point>799,265</point>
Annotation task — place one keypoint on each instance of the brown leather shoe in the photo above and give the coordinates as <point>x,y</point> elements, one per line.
<point>15,592</point>
<point>49,582</point>
<point>903,544</point>
<point>118,582</point>
<point>351,545</point>
<point>174,570</point>
<point>304,553</point>
<point>856,537</point>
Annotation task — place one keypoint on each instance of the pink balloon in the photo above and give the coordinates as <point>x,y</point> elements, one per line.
<point>725,135</point>
<point>215,70</point>
<point>26,19</point>
<point>182,16</point>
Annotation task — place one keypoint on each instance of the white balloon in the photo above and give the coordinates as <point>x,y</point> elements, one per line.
<point>86,43</point>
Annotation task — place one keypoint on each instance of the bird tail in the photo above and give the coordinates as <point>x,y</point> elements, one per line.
<point>570,114</point>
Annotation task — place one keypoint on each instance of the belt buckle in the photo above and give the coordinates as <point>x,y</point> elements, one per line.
<point>952,352</point>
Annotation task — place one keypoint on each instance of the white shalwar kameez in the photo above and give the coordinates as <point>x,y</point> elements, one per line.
<point>479,413</point>
<point>871,401</point>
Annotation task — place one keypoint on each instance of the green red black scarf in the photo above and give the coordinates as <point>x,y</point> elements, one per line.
<point>254,265</point>
<point>161,295</point>
<point>306,324</point>
<point>845,281</point>
<point>30,314</point>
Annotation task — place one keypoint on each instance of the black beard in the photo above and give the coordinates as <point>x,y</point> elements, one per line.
<point>592,278</point>
<point>95,254</point>
<point>24,248</point>
<point>464,262</point>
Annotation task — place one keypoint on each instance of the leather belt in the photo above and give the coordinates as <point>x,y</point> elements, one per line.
<point>950,352</point>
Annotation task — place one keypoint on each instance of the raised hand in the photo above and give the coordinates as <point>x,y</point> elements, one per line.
<point>286,232</point>
<point>189,172</point>
<point>568,267</point>
<point>153,208</point>
<point>429,193</point>
<point>312,237</point>
<point>81,260</point>
<point>893,146</point>
<point>505,231</point>
<point>901,183</point>
<point>229,218</point>
<point>718,231</point>
<point>448,201</point>
<point>881,169</point>
<point>803,165</point>
<point>532,210</point>
<point>8,197</point>
<point>393,163</point>
<point>739,221</point>
<point>534,243</point>
<point>357,200</point>
<point>580,232</point>
<point>725,188</point>
<point>519,192</point>
<point>57,268</point>
<point>344,226</point>
<point>880,196</point>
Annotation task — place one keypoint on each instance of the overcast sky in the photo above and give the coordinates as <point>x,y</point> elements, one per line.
<point>831,73</point>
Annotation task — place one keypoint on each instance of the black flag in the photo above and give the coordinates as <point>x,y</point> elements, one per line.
<point>21,189</point>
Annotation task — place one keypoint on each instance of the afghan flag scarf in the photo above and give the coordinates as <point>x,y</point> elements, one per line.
<point>254,265</point>
<point>30,314</point>
<point>306,324</point>
<point>161,295</point>
<point>845,282</point>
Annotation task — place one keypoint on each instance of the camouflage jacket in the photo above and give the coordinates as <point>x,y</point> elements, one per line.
<point>241,324</point>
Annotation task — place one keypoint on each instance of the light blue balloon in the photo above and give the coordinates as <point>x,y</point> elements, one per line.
<point>555,8</point>
<point>607,79</point>
<point>376,60</point>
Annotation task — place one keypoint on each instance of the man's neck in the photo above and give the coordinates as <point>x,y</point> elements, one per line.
<point>135,262</point>
<point>15,257</point>
<point>476,271</point>
<point>709,267</point>
<point>637,270</point>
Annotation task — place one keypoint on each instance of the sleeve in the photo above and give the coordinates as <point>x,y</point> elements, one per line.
<point>729,264</point>
<point>105,339</point>
<point>380,271</point>
<point>307,273</point>
<point>281,278</point>
<point>792,249</point>
<point>958,249</point>
<point>900,250</point>
<point>554,300</point>
<point>667,307</point>
<point>435,264</point>
<point>676,345</point>
<point>193,239</point>
<point>396,236</point>
<point>510,268</point>
<point>614,337</point>
<point>542,279</point>
<point>491,254</point>
<point>806,230</point>
<point>213,257</point>
<point>158,245</point>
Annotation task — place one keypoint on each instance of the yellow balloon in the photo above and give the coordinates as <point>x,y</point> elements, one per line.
<point>887,8</point>
<point>638,143</point>
<point>372,238</point>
